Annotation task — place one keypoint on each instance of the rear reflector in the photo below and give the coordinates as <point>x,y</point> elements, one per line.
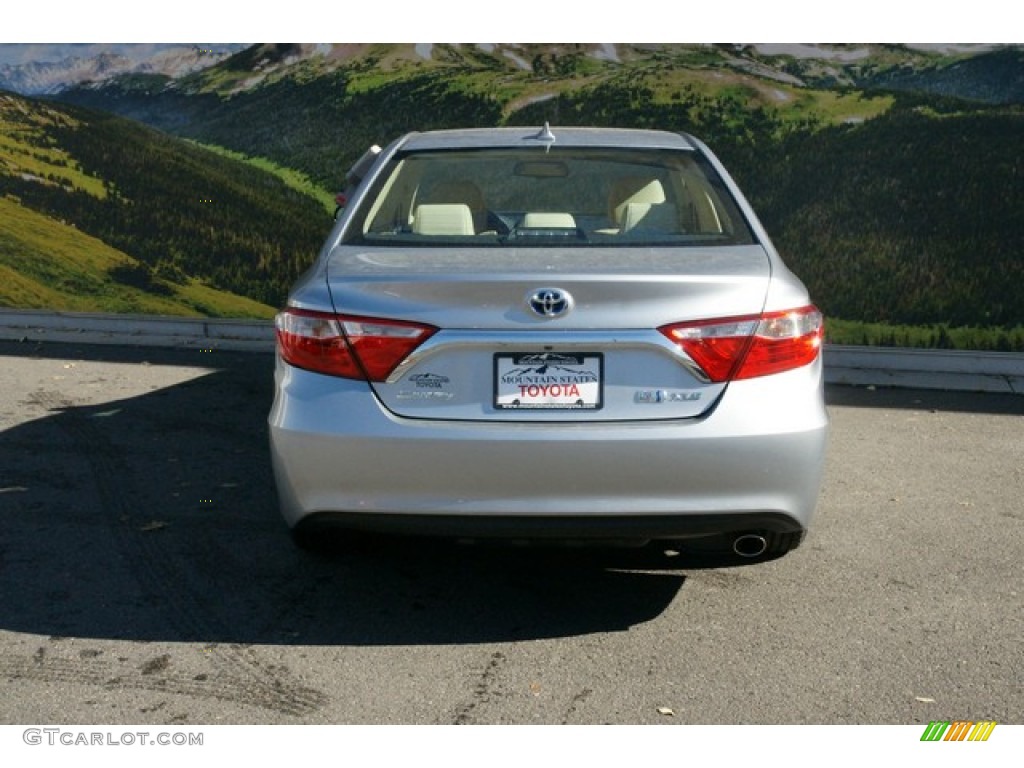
<point>342,345</point>
<point>746,347</point>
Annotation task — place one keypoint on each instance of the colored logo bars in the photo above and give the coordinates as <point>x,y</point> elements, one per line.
<point>958,730</point>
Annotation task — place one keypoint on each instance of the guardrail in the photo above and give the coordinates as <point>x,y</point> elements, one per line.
<point>862,366</point>
<point>925,369</point>
<point>137,330</point>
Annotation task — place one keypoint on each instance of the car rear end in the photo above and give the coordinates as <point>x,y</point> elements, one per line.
<point>578,336</point>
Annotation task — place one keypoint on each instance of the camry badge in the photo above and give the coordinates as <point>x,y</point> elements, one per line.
<point>550,302</point>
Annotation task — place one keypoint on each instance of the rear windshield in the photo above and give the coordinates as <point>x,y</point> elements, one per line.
<point>563,196</point>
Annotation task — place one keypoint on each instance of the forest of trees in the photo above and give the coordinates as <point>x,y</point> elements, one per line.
<point>913,218</point>
<point>180,210</point>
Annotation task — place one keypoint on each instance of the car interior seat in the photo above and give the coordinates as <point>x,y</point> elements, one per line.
<point>460,192</point>
<point>640,203</point>
<point>443,219</point>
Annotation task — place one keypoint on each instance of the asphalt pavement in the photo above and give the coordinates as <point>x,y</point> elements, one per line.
<point>146,577</point>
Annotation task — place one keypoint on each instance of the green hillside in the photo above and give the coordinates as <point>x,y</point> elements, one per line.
<point>915,217</point>
<point>887,180</point>
<point>184,216</point>
<point>318,114</point>
<point>45,264</point>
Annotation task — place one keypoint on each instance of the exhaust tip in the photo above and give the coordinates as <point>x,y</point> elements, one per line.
<point>750,545</point>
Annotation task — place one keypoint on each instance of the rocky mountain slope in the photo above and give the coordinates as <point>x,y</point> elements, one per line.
<point>889,175</point>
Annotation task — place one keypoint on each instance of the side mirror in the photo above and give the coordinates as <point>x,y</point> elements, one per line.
<point>361,166</point>
<point>354,176</point>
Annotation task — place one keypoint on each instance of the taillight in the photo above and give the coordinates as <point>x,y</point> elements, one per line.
<point>347,346</point>
<point>747,347</point>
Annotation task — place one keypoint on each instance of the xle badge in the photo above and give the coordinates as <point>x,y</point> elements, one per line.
<point>666,396</point>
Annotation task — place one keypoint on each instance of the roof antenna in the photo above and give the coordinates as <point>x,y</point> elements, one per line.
<point>546,136</point>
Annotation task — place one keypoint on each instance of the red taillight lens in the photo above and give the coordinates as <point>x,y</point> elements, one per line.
<point>747,347</point>
<point>380,345</point>
<point>346,346</point>
<point>783,341</point>
<point>314,341</point>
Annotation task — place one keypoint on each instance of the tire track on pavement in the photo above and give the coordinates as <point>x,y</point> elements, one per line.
<point>240,677</point>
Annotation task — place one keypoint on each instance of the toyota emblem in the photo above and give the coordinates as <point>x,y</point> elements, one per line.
<point>550,302</point>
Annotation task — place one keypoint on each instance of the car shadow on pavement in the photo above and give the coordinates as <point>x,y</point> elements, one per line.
<point>154,518</point>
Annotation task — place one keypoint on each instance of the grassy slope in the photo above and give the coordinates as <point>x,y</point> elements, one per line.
<point>296,180</point>
<point>25,150</point>
<point>192,227</point>
<point>691,87</point>
<point>45,264</point>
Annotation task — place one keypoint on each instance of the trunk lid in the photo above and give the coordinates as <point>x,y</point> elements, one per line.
<point>597,356</point>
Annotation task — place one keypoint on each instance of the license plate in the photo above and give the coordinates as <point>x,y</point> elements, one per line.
<point>552,380</point>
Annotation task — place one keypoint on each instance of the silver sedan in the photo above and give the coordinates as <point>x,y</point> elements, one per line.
<point>554,335</point>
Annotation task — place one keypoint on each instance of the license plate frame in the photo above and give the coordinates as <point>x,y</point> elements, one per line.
<point>549,381</point>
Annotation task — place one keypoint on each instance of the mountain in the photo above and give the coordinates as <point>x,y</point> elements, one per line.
<point>993,77</point>
<point>50,77</point>
<point>888,175</point>
<point>802,65</point>
<point>134,208</point>
<point>288,102</point>
<point>988,73</point>
<point>317,108</point>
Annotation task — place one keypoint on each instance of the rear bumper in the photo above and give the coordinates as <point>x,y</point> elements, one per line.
<point>753,463</point>
<point>573,529</point>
